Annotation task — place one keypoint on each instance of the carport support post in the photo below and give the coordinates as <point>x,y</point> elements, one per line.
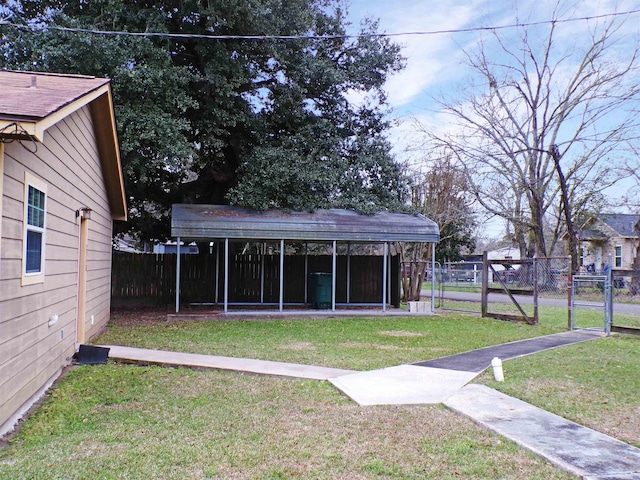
<point>226,275</point>
<point>306,271</point>
<point>178,276</point>
<point>333,276</point>
<point>348,272</point>
<point>217,296</point>
<point>281,274</point>
<point>389,269</point>
<point>264,253</point>
<point>384,277</point>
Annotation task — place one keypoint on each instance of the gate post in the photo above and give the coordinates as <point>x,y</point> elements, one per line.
<point>535,291</point>
<point>609,298</point>
<point>485,285</point>
<point>569,296</point>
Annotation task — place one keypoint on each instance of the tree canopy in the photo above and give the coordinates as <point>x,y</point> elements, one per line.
<point>262,123</point>
<point>442,193</point>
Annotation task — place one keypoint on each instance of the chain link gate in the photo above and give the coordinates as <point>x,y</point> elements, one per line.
<point>591,294</point>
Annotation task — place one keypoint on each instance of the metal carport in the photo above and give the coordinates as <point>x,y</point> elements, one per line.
<point>198,222</point>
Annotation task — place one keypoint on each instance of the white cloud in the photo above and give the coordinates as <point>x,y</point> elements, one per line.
<point>436,64</point>
<point>431,59</point>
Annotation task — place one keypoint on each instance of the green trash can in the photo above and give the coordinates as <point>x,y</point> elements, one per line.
<point>320,289</point>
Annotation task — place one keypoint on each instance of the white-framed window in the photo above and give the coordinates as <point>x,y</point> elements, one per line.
<point>35,212</point>
<point>618,256</point>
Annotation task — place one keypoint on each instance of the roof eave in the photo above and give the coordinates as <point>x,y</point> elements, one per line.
<point>195,233</point>
<point>104,122</point>
<point>100,104</point>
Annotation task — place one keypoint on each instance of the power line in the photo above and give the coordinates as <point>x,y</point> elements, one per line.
<point>313,37</point>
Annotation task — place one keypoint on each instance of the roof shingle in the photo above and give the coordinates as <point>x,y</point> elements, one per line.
<point>622,223</point>
<point>35,95</point>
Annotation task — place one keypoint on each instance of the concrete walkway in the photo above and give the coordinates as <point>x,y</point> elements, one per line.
<point>572,447</point>
<point>192,360</point>
<point>478,360</point>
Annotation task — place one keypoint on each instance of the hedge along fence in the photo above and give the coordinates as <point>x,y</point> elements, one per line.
<point>150,279</point>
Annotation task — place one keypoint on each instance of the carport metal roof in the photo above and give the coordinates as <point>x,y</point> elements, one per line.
<point>196,221</point>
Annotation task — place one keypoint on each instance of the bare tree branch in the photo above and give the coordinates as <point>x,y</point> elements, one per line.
<point>538,139</point>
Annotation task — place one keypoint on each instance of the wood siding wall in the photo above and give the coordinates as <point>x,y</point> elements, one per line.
<point>31,351</point>
<point>149,279</point>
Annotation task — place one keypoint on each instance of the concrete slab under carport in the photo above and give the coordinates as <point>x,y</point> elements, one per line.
<point>293,313</point>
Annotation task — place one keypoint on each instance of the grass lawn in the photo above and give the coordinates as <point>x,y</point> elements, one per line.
<point>123,421</point>
<point>351,343</point>
<point>595,384</point>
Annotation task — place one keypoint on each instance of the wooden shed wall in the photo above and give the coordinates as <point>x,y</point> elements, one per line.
<point>33,353</point>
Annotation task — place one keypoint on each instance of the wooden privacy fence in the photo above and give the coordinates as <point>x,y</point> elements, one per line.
<point>144,279</point>
<point>150,279</point>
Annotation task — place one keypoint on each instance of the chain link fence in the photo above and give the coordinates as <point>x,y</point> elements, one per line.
<point>553,277</point>
<point>457,284</point>
<point>458,287</point>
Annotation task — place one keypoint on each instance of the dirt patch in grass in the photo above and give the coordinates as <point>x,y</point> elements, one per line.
<point>401,333</point>
<point>138,316</point>
<point>375,346</point>
<point>298,346</point>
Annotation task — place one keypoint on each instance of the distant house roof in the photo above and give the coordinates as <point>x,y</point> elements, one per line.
<point>32,102</point>
<point>504,252</point>
<point>623,224</point>
<point>193,221</point>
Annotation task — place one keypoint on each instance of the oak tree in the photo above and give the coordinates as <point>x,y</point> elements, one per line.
<point>260,122</point>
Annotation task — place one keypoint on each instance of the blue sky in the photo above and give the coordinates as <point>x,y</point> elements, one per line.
<point>435,63</point>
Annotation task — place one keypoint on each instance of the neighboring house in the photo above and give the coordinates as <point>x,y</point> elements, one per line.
<point>609,235</point>
<point>127,244</point>
<point>172,247</point>
<point>61,188</point>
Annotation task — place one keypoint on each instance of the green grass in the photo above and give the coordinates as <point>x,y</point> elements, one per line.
<point>594,383</point>
<point>122,421</point>
<point>351,343</point>
<point>551,317</point>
